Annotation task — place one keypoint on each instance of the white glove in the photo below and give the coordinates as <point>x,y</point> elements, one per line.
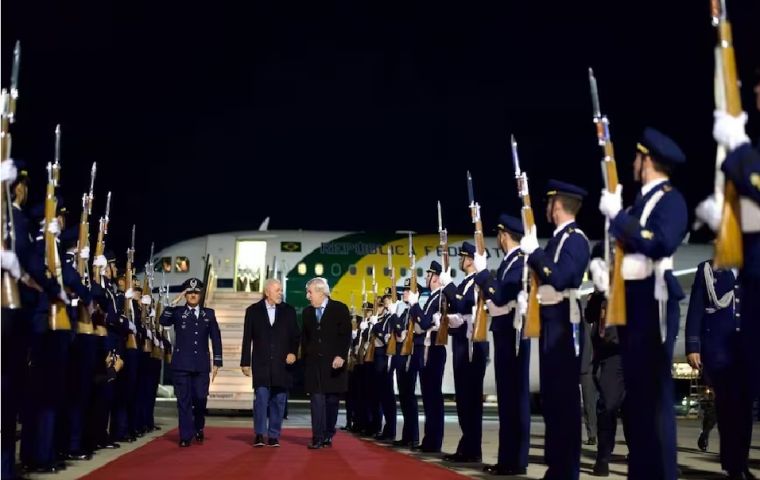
<point>100,261</point>
<point>132,327</point>
<point>9,261</point>
<point>522,302</point>
<point>481,262</point>
<point>529,242</point>
<point>63,297</point>
<point>373,320</point>
<point>437,319</point>
<point>354,333</point>
<point>53,227</point>
<point>445,277</point>
<point>363,325</point>
<point>152,313</point>
<point>729,130</point>
<point>455,320</point>
<point>146,299</point>
<point>386,337</point>
<point>400,308</point>
<point>600,274</point>
<point>84,253</point>
<point>611,203</point>
<point>414,298</point>
<point>129,293</point>
<point>8,171</point>
<point>710,211</point>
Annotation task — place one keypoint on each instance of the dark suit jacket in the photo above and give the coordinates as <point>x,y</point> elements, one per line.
<point>322,343</point>
<point>271,344</point>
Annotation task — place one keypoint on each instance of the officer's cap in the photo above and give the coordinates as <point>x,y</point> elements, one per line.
<point>110,256</point>
<point>192,285</point>
<point>367,306</point>
<point>467,250</point>
<point>660,147</point>
<point>511,224</point>
<point>555,187</point>
<point>435,268</point>
<point>408,283</point>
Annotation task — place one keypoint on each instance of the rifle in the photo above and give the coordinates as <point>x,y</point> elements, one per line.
<point>128,307</point>
<point>100,245</point>
<point>370,356</point>
<point>616,293</point>
<point>361,348</point>
<point>532,323</point>
<point>354,327</point>
<point>84,323</point>
<point>392,342</point>
<point>10,292</point>
<point>442,338</point>
<point>145,309</point>
<point>408,346</point>
<point>480,329</point>
<point>728,245</point>
<point>58,317</point>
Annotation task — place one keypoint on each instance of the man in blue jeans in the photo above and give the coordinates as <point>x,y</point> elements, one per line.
<point>271,331</point>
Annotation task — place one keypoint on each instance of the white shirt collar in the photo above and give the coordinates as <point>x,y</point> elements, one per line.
<point>266,303</point>
<point>510,252</point>
<point>324,304</point>
<point>646,188</point>
<point>562,226</point>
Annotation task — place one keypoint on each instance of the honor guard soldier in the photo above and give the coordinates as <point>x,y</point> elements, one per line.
<point>650,231</point>
<point>427,323</point>
<point>383,379</point>
<point>560,268</point>
<point>370,421</point>
<point>407,367</point>
<point>511,350</point>
<point>469,362</point>
<point>713,344</point>
<point>193,326</point>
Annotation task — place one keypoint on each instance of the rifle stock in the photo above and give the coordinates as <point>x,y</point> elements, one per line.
<point>128,310</point>
<point>58,317</point>
<point>480,328</point>
<point>392,342</point>
<point>408,347</point>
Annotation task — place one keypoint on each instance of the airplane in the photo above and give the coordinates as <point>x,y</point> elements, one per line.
<point>242,260</point>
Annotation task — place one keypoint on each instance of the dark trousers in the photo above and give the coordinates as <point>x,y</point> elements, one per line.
<point>560,396</point>
<point>648,386</point>
<point>611,388</point>
<point>750,326</point>
<point>14,353</point>
<point>468,384</point>
<point>191,389</point>
<point>102,398</point>
<point>513,395</point>
<point>324,415</point>
<point>374,413</point>
<point>81,382</point>
<point>590,397</point>
<point>386,394</point>
<point>352,398</point>
<point>123,416</point>
<point>268,410</point>
<point>431,384</point>
<point>144,386</point>
<point>155,369</point>
<point>406,380</point>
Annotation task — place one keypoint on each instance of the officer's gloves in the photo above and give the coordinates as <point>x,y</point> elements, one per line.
<point>63,297</point>
<point>400,308</point>
<point>129,293</point>
<point>437,320</point>
<point>373,320</point>
<point>54,227</point>
<point>414,298</point>
<point>9,261</point>
<point>522,302</point>
<point>529,242</point>
<point>481,262</point>
<point>84,253</point>
<point>455,320</point>
<point>611,203</point>
<point>445,277</point>
<point>710,211</point>
<point>729,130</point>
<point>146,299</point>
<point>100,261</point>
<point>8,171</point>
<point>132,327</point>
<point>600,274</point>
<point>363,325</point>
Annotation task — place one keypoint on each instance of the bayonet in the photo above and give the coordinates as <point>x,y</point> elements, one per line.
<point>440,217</point>
<point>594,93</point>
<point>470,192</point>
<point>14,82</point>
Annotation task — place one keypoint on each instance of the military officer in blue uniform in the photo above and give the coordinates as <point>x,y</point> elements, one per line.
<point>407,367</point>
<point>364,413</point>
<point>194,326</point>
<point>650,231</point>
<point>713,344</point>
<point>511,362</point>
<point>560,268</point>
<point>469,360</point>
<point>427,321</point>
<point>383,377</point>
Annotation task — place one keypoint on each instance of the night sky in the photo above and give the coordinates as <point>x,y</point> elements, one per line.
<point>199,113</point>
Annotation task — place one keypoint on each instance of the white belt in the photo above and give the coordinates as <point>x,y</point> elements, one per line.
<point>750,215</point>
<point>547,295</point>
<point>497,311</point>
<point>637,266</point>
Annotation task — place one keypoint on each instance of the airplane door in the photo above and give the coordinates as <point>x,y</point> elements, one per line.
<point>222,250</point>
<point>250,265</point>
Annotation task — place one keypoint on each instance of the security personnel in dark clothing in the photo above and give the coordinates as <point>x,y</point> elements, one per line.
<point>713,343</point>
<point>383,378</point>
<point>407,367</point>
<point>194,326</point>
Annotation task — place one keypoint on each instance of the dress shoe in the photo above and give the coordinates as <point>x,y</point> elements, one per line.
<point>126,439</point>
<point>591,441</point>
<point>273,442</point>
<point>703,441</point>
<point>47,469</point>
<point>327,442</point>
<point>459,458</point>
<point>156,427</point>
<point>315,444</point>
<point>109,445</point>
<point>601,470</point>
<point>504,470</point>
<point>78,456</point>
<point>749,475</point>
<point>184,443</point>
<point>259,441</point>
<point>199,437</point>
<point>383,438</point>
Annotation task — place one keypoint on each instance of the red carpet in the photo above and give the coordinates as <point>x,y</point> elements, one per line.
<point>228,453</point>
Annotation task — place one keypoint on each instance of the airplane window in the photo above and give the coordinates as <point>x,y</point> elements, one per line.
<point>453,273</point>
<point>369,270</point>
<point>420,273</point>
<point>403,271</point>
<point>387,272</point>
<point>352,269</point>
<point>335,270</point>
<point>319,269</point>
<point>166,264</point>
<point>182,264</point>
<point>302,268</point>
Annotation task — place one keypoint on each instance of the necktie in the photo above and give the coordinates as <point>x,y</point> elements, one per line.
<point>195,313</point>
<point>319,314</point>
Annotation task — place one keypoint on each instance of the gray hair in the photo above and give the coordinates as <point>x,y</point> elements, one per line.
<point>269,282</point>
<point>319,284</point>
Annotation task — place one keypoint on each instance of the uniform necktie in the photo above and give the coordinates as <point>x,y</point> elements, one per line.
<point>319,314</point>
<point>195,313</point>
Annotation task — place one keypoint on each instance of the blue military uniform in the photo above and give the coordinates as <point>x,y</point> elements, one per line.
<point>714,330</point>
<point>383,377</point>
<point>426,328</point>
<point>407,368</point>
<point>650,231</point>
<point>510,365</point>
<point>468,371</point>
<point>190,361</point>
<point>560,268</point>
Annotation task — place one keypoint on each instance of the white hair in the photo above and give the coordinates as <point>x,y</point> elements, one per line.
<point>319,284</point>
<point>269,282</point>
